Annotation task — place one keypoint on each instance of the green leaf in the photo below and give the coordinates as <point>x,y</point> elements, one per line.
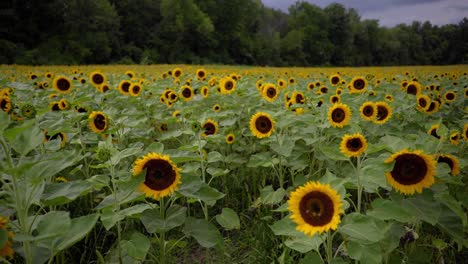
<point>136,209</point>
<point>115,159</point>
<point>109,217</point>
<point>175,216</point>
<point>4,121</point>
<point>285,146</point>
<point>214,156</point>
<point>423,207</point>
<point>304,243</point>
<point>263,159</point>
<point>3,237</point>
<point>332,151</point>
<point>137,247</point>
<point>373,174</point>
<point>453,204</point>
<point>25,137</point>
<point>228,219</point>
<point>203,231</point>
<point>156,147</point>
<point>311,257</point>
<point>192,187</point>
<point>366,254</point>
<point>393,143</point>
<point>52,165</point>
<point>269,196</point>
<point>285,227</point>
<point>389,210</point>
<point>79,228</point>
<point>451,224</point>
<point>216,172</point>
<point>63,193</point>
<point>53,224</point>
<point>363,229</point>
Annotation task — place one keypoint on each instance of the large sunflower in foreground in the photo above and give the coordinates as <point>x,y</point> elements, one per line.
<point>162,176</point>
<point>452,161</point>
<point>315,208</point>
<point>98,122</point>
<point>412,171</point>
<point>353,145</point>
<point>384,112</point>
<point>6,251</point>
<point>339,115</point>
<point>262,125</point>
<point>62,84</point>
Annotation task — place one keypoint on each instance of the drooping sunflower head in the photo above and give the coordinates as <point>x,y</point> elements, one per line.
<point>384,112</point>
<point>135,89</point>
<point>201,74</point>
<point>259,84</point>
<point>104,87</point>
<point>217,108</point>
<point>298,97</point>
<point>270,92</point>
<point>186,92</point>
<point>335,79</point>
<point>450,96</point>
<point>97,78</point>
<point>62,84</point>
<point>368,111</point>
<point>315,208</point>
<point>310,86</point>
<point>339,115</point>
<point>124,87</point>
<point>450,160</point>
<point>162,176</point>
<point>358,85</point>
<point>433,131</point>
<point>412,171</point>
<point>5,104</point>
<point>98,121</point>
<point>454,137</point>
<point>205,91</point>
<point>230,138</point>
<point>210,127</point>
<point>262,125</point>
<point>130,73</point>
<point>353,145</point>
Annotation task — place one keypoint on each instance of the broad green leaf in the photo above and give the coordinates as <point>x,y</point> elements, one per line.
<point>453,204</point>
<point>393,143</point>
<point>214,156</point>
<point>115,159</point>
<point>228,219</point>
<point>285,227</point>
<point>3,237</point>
<point>175,216</point>
<point>25,138</point>
<point>363,229</point>
<point>451,224</point>
<point>389,210</point>
<point>109,217</point>
<point>332,151</point>
<point>216,172</point>
<point>79,228</point>
<point>269,196</point>
<point>366,254</point>
<point>311,257</point>
<point>206,234</point>
<point>373,174</point>
<point>285,146</point>
<point>423,207</point>
<point>52,165</point>
<point>194,188</point>
<point>137,246</point>
<point>304,243</point>
<point>156,147</point>
<point>65,192</point>
<point>136,209</point>
<point>53,224</point>
<point>4,121</point>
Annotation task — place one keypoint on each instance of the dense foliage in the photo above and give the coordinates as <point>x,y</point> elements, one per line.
<point>216,31</point>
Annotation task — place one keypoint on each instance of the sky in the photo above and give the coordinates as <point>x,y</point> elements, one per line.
<point>393,12</point>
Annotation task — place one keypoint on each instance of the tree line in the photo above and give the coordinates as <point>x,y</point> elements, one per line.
<point>216,31</point>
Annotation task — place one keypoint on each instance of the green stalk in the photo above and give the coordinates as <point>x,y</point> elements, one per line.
<point>116,210</point>
<point>359,197</point>
<point>329,249</point>
<point>162,234</point>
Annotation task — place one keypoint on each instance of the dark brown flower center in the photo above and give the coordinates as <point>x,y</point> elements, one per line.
<point>159,174</point>
<point>422,102</point>
<point>56,107</point>
<point>300,99</point>
<point>271,92</point>
<point>263,124</point>
<point>228,85</point>
<point>359,84</point>
<point>411,89</point>
<point>409,169</point>
<point>187,92</point>
<point>354,144</point>
<point>177,74</point>
<point>450,96</point>
<point>432,107</point>
<point>201,74</point>
<point>100,122</point>
<point>136,89</point>
<point>125,86</point>
<point>338,115</point>
<point>316,208</point>
<point>210,128</point>
<point>382,112</point>
<point>335,80</point>
<point>98,78</point>
<point>335,99</point>
<point>63,84</point>
<point>324,89</point>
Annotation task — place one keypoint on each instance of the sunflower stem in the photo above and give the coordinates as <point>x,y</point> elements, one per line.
<point>162,234</point>
<point>359,194</point>
<point>117,211</point>
<point>329,248</point>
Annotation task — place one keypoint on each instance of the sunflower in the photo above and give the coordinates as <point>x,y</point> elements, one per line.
<point>6,251</point>
<point>62,84</point>
<point>104,88</point>
<point>291,81</point>
<point>411,172</point>
<point>315,208</point>
<point>335,99</point>
<point>339,115</point>
<point>130,73</point>
<point>384,112</point>
<point>6,92</point>
<point>465,132</point>
<point>135,89</point>
<point>433,107</point>
<point>176,73</point>
<point>186,92</point>
<point>455,138</point>
<point>205,91</point>
<point>322,90</point>
<point>389,97</point>
<point>310,86</point>
<point>368,111</point>
<point>212,81</point>
<point>450,96</point>
<point>162,176</point>
<point>124,87</point>
<point>270,92</point>
<point>176,114</point>
<point>64,104</point>
<point>54,106</point>
<point>298,97</point>
<point>452,161</point>
<point>61,135</point>
<point>230,138</point>
<point>319,103</point>
<point>259,84</point>
<point>413,88</point>
<point>210,127</point>
<point>97,78</point>
<point>353,145</point>
<point>433,131</point>
<point>358,85</point>
<point>216,108</point>
<point>98,122</point>
<point>335,79</point>
<point>5,104</point>
<point>423,102</point>
<point>201,74</point>
<point>28,110</point>
<point>262,125</point>
<point>227,85</point>
<point>282,83</point>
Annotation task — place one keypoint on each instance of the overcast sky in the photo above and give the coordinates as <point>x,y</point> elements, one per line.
<point>393,12</point>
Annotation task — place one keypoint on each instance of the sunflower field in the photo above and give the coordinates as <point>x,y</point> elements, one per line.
<point>216,164</point>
